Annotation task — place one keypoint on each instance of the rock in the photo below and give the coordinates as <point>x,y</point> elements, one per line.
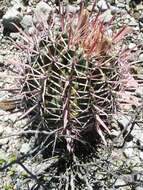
<point>27,23</point>
<point>140,7</point>
<point>14,36</point>
<point>129,151</point>
<point>135,160</point>
<point>123,120</point>
<point>5,131</point>
<point>141,155</point>
<point>128,7</point>
<point>141,19</point>
<point>139,188</point>
<point>121,1</point>
<point>119,182</point>
<point>31,30</point>
<point>134,23</point>
<point>128,1</point>
<point>112,2</point>
<point>29,11</point>
<point>115,10</point>
<point>128,178</point>
<point>19,169</point>
<point>121,5</point>
<point>79,1</point>
<point>14,145</point>
<point>25,148</point>
<point>16,2</point>
<point>3,155</point>
<point>141,23</point>
<point>115,133</point>
<point>137,174</point>
<point>72,9</point>
<point>132,46</point>
<point>13,15</point>
<point>26,2</point>
<point>90,6</point>
<point>139,92</point>
<point>102,5</point>
<point>1,12</point>
<point>141,27</point>
<point>4,141</point>
<point>8,128</point>
<point>141,57</point>
<point>1,130</point>
<point>1,61</point>
<point>106,16</point>
<point>42,12</point>
<point>137,133</point>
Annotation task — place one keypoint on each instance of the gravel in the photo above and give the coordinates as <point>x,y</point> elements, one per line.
<point>121,162</point>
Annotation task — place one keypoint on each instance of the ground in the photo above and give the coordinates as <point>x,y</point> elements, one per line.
<point>117,166</point>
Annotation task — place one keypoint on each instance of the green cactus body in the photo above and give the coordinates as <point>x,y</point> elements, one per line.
<point>73,77</point>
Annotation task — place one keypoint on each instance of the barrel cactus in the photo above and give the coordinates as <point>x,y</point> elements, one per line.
<point>71,75</point>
